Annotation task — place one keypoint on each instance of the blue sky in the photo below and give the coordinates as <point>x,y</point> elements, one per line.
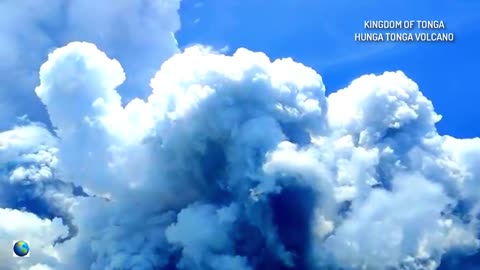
<point>320,34</point>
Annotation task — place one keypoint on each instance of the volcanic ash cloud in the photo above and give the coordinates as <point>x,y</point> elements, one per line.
<point>240,162</point>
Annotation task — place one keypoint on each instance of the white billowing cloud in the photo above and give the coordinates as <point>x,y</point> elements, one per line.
<point>373,105</point>
<point>29,30</point>
<point>27,157</point>
<point>240,162</point>
<point>401,227</point>
<point>298,89</point>
<point>83,80</point>
<point>41,233</point>
<point>19,143</point>
<point>203,231</point>
<point>87,84</point>
<point>465,153</point>
<point>29,183</point>
<point>177,154</point>
<point>33,149</point>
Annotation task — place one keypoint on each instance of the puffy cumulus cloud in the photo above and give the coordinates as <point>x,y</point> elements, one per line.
<point>464,154</point>
<point>41,233</point>
<point>29,30</point>
<point>180,158</point>
<point>34,203</point>
<point>241,162</point>
<point>401,228</point>
<point>374,106</point>
<point>203,231</point>
<point>30,143</point>
<point>83,80</point>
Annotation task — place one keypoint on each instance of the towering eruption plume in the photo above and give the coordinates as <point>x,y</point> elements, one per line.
<point>238,162</point>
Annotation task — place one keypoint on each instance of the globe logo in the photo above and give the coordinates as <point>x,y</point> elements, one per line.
<point>21,248</point>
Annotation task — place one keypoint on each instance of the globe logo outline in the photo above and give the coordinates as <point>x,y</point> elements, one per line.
<point>21,248</point>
